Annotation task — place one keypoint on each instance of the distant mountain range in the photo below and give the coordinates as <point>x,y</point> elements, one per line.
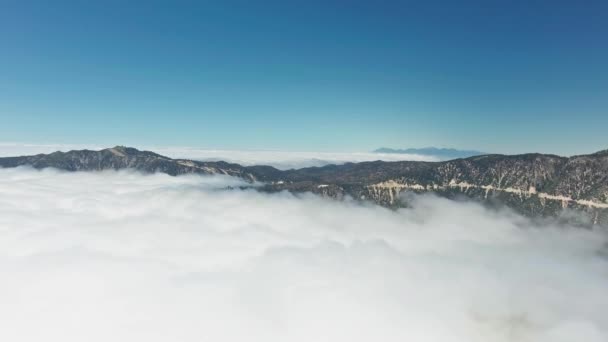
<point>537,185</point>
<point>440,153</point>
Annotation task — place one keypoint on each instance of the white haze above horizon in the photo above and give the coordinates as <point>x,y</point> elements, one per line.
<point>280,159</point>
<point>121,256</point>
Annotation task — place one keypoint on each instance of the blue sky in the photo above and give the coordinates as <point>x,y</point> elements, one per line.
<point>500,76</point>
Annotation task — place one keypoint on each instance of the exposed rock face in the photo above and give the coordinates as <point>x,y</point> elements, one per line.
<point>532,184</point>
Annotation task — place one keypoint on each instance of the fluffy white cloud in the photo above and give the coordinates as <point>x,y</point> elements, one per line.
<point>279,159</point>
<point>119,256</point>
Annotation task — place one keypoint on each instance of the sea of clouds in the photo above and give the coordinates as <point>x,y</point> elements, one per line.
<point>283,160</point>
<point>121,256</point>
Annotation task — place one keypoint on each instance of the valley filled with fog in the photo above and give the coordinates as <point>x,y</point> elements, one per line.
<point>122,256</point>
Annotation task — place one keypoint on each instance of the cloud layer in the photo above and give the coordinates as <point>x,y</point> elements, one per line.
<point>119,256</point>
<point>287,160</point>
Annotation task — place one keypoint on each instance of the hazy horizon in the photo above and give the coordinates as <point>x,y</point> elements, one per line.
<point>7,146</point>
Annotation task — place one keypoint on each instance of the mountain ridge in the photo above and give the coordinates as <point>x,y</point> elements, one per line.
<point>533,184</point>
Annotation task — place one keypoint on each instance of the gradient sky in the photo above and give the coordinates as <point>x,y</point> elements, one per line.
<point>498,76</point>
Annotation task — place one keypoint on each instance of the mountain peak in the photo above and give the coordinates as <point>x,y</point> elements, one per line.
<point>119,150</point>
<point>122,151</point>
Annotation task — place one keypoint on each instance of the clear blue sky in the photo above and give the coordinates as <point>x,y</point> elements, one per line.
<point>500,76</point>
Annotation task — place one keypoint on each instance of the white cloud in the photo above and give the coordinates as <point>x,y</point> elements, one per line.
<point>279,159</point>
<point>119,256</point>
<point>286,160</point>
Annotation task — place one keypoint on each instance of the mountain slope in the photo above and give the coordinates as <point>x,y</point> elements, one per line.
<point>532,184</point>
<point>121,157</point>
